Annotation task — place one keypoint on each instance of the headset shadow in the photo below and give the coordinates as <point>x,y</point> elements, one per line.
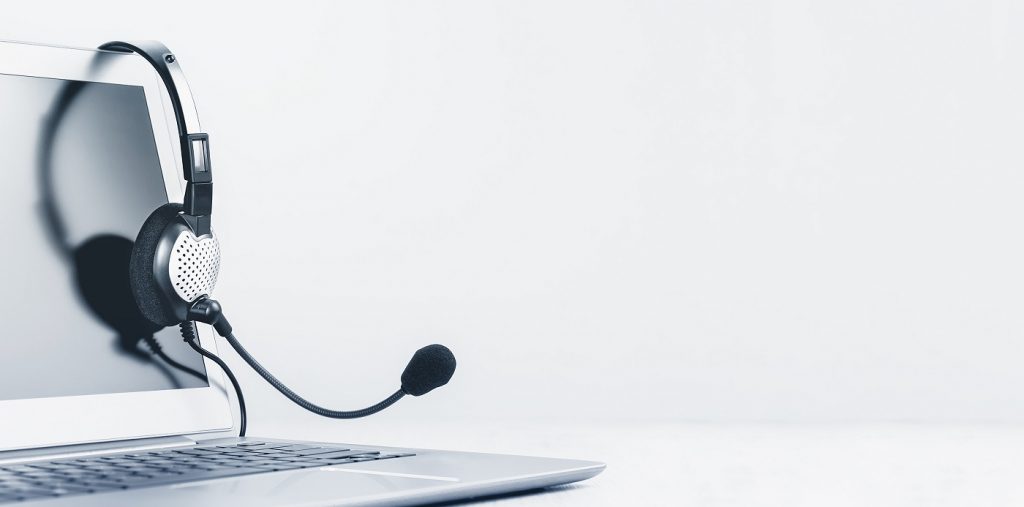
<point>100,263</point>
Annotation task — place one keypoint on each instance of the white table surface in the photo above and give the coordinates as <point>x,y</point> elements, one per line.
<point>707,464</point>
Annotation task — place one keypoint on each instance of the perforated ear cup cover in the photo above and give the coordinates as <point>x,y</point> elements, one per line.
<point>149,296</point>
<point>194,265</point>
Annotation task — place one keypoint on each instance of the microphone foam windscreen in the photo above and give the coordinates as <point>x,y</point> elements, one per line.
<point>430,367</point>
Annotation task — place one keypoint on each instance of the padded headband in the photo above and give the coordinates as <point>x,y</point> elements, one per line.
<point>195,145</point>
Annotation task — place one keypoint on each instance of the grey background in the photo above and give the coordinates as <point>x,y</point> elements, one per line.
<point>725,210</point>
<point>107,179</point>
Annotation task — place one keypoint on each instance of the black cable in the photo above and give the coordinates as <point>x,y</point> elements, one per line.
<point>158,350</point>
<point>188,332</point>
<point>299,400</point>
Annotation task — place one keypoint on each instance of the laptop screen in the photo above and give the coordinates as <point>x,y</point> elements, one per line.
<point>80,173</point>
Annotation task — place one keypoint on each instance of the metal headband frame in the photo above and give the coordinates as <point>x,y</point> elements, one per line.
<point>195,144</point>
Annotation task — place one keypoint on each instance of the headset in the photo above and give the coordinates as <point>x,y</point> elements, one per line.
<point>174,262</point>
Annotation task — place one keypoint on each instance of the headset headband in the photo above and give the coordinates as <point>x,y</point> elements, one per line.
<point>195,144</point>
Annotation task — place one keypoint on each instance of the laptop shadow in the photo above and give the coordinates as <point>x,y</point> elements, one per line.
<point>551,490</point>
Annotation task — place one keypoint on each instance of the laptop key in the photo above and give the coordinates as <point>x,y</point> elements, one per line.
<point>217,474</point>
<point>197,452</point>
<point>268,462</point>
<point>278,456</point>
<point>275,445</point>
<point>104,485</point>
<point>318,450</point>
<point>280,466</point>
<point>310,464</point>
<point>231,462</point>
<point>70,489</point>
<point>297,447</point>
<point>32,492</point>
<point>343,454</point>
<point>340,461</point>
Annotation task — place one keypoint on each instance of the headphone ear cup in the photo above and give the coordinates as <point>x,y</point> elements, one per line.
<point>149,296</point>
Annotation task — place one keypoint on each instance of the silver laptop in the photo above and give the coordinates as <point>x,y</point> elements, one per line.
<point>101,408</point>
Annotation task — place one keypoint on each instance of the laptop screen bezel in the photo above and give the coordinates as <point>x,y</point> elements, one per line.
<point>66,420</point>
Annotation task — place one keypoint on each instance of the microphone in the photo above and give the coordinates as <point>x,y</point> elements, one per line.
<point>430,367</point>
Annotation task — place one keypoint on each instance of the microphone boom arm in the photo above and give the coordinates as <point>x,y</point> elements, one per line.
<point>299,400</point>
<point>208,311</point>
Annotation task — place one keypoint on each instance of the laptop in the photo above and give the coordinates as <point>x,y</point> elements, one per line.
<point>103,408</point>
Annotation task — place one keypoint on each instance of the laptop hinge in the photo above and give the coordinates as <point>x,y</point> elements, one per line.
<point>72,451</point>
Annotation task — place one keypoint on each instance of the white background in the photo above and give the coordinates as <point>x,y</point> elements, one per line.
<point>792,211</point>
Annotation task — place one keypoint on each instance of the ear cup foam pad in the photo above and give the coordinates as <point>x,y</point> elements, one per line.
<point>149,297</point>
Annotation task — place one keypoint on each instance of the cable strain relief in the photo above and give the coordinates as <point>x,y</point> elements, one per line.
<point>222,327</point>
<point>208,311</point>
<point>188,331</point>
<point>154,346</point>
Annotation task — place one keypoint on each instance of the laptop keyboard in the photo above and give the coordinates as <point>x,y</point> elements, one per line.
<point>64,477</point>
